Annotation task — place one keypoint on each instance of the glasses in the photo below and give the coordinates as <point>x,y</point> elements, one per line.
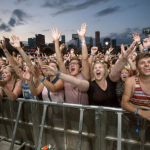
<point>73,63</point>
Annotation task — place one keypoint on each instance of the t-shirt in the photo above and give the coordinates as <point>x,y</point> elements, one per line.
<point>74,95</point>
<point>99,97</point>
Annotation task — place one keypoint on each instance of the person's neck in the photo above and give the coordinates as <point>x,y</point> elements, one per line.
<point>101,82</point>
<point>144,79</point>
<point>10,82</point>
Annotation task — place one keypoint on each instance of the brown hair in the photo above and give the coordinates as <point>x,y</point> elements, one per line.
<point>105,69</point>
<point>140,56</point>
<point>76,58</point>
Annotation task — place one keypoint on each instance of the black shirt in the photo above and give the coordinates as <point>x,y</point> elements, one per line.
<point>99,97</point>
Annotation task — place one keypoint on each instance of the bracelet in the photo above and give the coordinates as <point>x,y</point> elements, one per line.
<point>108,54</point>
<point>92,54</point>
<point>42,79</point>
<point>6,52</point>
<point>145,50</point>
<point>140,44</point>
<point>59,73</point>
<point>136,111</point>
<point>83,42</point>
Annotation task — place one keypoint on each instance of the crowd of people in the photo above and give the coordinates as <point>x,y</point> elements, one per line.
<point>114,80</point>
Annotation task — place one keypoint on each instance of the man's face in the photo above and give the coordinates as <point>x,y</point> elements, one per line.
<point>74,68</point>
<point>144,66</point>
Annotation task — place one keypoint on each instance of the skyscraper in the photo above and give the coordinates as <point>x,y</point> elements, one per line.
<point>91,42</point>
<point>106,44</point>
<point>40,40</point>
<point>32,42</point>
<point>114,46</point>
<point>97,39</point>
<point>63,39</point>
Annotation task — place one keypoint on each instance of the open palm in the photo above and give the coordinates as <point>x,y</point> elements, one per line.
<point>83,30</point>
<point>54,33</point>
<point>16,42</point>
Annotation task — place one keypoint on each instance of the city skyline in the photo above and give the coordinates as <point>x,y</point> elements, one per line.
<point>113,18</point>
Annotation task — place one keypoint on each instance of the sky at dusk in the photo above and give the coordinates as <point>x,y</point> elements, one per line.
<point>113,18</point>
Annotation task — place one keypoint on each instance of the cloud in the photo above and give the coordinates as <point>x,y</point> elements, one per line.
<point>132,6</point>
<point>64,7</point>
<point>107,11</point>
<point>46,30</point>
<point>18,17</point>
<point>0,19</point>
<point>125,37</point>
<point>5,27</point>
<point>19,1</point>
<point>5,11</point>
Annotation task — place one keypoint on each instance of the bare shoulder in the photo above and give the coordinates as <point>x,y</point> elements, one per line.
<point>130,80</point>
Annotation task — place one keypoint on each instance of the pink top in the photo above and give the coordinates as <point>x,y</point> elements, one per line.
<point>73,95</point>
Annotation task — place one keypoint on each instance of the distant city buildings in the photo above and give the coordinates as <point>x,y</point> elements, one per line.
<point>63,39</point>
<point>114,46</point>
<point>40,40</point>
<point>106,44</point>
<point>97,40</point>
<point>32,43</point>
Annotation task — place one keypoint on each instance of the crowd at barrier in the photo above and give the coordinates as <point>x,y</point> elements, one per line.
<point>113,80</point>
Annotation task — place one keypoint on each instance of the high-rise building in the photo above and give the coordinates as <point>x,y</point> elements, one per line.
<point>63,39</point>
<point>114,46</point>
<point>32,43</point>
<point>106,44</point>
<point>40,40</point>
<point>97,39</point>
<point>91,42</point>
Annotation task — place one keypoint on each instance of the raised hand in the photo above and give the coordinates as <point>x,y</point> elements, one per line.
<point>26,75</point>
<point>136,37</point>
<point>130,50</point>
<point>83,30</point>
<point>94,50</point>
<point>110,49</point>
<point>62,46</point>
<point>55,35</point>
<point>146,42</point>
<point>50,70</point>
<point>16,42</point>
<point>3,45</point>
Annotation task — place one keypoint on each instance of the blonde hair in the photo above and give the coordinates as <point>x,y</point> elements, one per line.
<point>105,69</point>
<point>12,71</point>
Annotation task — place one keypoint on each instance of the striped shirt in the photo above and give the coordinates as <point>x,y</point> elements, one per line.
<point>139,98</point>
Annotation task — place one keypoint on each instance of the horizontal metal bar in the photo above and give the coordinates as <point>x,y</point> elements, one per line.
<point>70,105</point>
<point>2,139</point>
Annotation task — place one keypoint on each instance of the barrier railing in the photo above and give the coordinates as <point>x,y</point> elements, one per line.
<point>35,123</point>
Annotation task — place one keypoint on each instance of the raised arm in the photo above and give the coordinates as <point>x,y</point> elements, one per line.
<point>39,57</point>
<point>56,37</point>
<point>136,37</point>
<point>12,61</point>
<point>82,85</point>
<point>115,73</point>
<point>85,64</point>
<point>16,44</point>
<point>108,54</point>
<point>146,44</point>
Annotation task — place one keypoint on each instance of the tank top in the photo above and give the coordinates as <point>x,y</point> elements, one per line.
<point>26,91</point>
<point>139,98</point>
<point>53,96</point>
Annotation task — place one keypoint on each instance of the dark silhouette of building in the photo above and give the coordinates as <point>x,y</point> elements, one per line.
<point>63,39</point>
<point>114,46</point>
<point>32,43</point>
<point>106,44</point>
<point>97,39</point>
<point>40,41</point>
<point>91,42</point>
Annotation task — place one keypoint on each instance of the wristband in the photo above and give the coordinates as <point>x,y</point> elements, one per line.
<point>92,54</point>
<point>108,54</point>
<point>6,52</point>
<point>59,73</point>
<point>42,79</point>
<point>145,50</point>
<point>83,42</point>
<point>136,111</point>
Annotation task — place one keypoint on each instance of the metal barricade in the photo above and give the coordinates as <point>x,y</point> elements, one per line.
<point>36,123</point>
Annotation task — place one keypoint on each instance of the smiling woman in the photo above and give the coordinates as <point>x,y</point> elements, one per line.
<point>11,86</point>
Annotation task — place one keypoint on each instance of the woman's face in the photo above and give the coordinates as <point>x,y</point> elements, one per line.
<point>124,75</point>
<point>6,75</point>
<point>98,71</point>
